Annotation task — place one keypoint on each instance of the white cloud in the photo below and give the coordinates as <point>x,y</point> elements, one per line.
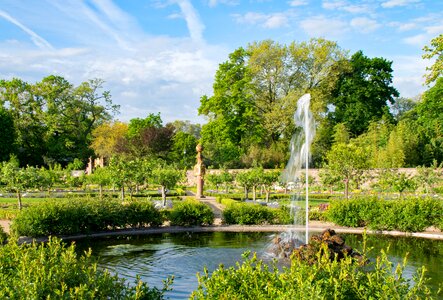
<point>335,4</point>
<point>271,21</point>
<point>342,5</point>
<point>195,26</point>
<point>214,3</point>
<point>408,74</point>
<point>321,26</point>
<point>395,3</point>
<point>36,39</point>
<point>144,73</point>
<point>364,25</point>
<point>403,26</point>
<point>298,2</point>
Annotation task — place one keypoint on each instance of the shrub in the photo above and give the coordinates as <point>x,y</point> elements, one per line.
<point>3,235</point>
<point>324,279</point>
<point>191,212</point>
<point>253,214</point>
<point>410,215</point>
<point>84,216</point>
<point>54,271</point>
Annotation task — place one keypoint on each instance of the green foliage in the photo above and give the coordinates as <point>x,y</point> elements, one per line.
<point>434,50</point>
<point>253,214</point>
<point>55,271</point>
<point>409,215</point>
<point>137,125</point>
<point>191,212</point>
<point>76,216</point>
<point>54,119</point>
<point>324,279</point>
<point>363,92</point>
<point>7,134</point>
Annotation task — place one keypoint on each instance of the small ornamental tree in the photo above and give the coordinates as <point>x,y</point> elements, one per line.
<point>268,179</point>
<point>347,161</point>
<point>244,180</point>
<point>49,177</point>
<point>167,178</point>
<point>215,180</point>
<point>101,177</point>
<point>18,179</point>
<point>226,179</point>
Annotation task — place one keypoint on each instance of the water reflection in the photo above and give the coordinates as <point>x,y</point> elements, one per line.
<point>155,257</point>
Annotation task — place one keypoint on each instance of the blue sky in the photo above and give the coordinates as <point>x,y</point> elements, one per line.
<point>161,56</point>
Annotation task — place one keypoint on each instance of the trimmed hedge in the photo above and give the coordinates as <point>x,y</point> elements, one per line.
<point>409,215</point>
<point>254,214</point>
<point>191,212</point>
<point>54,271</point>
<point>84,216</point>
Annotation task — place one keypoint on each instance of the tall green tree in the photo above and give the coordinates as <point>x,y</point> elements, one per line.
<point>434,50</point>
<point>430,120</point>
<point>7,135</point>
<point>53,119</point>
<point>362,93</point>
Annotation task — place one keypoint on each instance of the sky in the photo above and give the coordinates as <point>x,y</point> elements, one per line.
<point>161,56</point>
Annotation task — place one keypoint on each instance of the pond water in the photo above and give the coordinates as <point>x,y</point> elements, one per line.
<point>155,257</point>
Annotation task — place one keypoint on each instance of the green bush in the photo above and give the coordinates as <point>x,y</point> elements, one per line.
<point>191,212</point>
<point>410,215</point>
<point>3,235</point>
<point>254,214</point>
<point>54,271</point>
<point>324,279</point>
<point>84,216</point>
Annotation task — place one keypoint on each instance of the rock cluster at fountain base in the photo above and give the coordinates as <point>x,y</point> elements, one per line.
<point>328,241</point>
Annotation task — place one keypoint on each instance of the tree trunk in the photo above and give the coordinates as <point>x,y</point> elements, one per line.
<point>164,195</point>
<point>267,196</point>
<point>246,193</point>
<point>254,193</point>
<point>19,197</point>
<point>123,193</point>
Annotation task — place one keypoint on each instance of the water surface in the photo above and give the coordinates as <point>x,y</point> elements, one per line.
<point>155,257</point>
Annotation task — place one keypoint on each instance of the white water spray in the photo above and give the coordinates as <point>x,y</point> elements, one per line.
<point>300,154</point>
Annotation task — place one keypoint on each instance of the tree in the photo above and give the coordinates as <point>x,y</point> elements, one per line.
<point>362,93</point>
<point>18,179</point>
<point>7,135</point>
<point>232,115</point>
<point>106,136</point>
<point>267,180</point>
<point>167,178</point>
<point>53,119</point>
<point>136,125</point>
<point>347,161</point>
<point>434,50</point>
<point>49,177</point>
<point>187,127</point>
<point>401,106</point>
<point>430,120</point>
<point>183,149</point>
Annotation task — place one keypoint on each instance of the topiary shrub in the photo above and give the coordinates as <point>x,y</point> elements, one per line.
<point>191,212</point>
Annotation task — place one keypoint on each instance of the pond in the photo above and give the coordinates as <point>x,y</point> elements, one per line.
<point>155,257</point>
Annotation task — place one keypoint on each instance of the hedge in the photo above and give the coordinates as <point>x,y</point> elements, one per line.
<point>191,212</point>
<point>409,215</point>
<point>76,216</point>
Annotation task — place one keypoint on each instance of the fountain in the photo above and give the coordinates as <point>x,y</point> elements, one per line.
<point>300,146</point>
